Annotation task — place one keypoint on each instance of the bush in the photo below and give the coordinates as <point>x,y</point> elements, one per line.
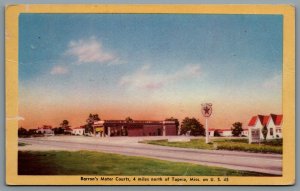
<point>250,148</point>
<point>232,140</point>
<point>274,142</point>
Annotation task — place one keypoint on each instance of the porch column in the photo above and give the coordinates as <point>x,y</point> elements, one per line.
<point>249,135</point>
<point>164,130</point>
<point>108,131</point>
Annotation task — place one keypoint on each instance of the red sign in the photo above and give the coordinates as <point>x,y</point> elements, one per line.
<point>206,109</point>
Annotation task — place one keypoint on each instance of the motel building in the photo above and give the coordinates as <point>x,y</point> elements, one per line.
<point>78,130</point>
<point>110,128</point>
<point>225,132</point>
<point>45,129</point>
<point>273,123</point>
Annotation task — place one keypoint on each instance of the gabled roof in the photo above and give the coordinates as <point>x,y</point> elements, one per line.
<point>264,119</point>
<point>277,119</point>
<point>252,121</point>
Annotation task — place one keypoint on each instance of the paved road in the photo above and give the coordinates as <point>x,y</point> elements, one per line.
<point>265,163</point>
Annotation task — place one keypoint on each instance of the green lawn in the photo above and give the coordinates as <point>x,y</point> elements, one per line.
<point>194,143</point>
<point>20,144</point>
<point>274,146</point>
<point>96,163</point>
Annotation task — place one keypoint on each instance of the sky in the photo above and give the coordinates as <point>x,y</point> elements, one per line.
<point>148,67</point>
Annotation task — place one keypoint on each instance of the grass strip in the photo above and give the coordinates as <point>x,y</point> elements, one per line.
<point>274,146</point>
<point>97,163</point>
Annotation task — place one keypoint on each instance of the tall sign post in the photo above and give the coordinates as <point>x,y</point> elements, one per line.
<point>206,110</point>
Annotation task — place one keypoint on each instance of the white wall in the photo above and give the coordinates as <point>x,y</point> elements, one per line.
<point>77,131</point>
<point>226,133</point>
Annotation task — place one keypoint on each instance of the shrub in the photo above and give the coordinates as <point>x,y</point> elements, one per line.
<point>250,148</point>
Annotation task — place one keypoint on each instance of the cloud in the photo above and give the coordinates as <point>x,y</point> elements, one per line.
<point>59,70</point>
<point>275,82</point>
<point>146,79</point>
<point>90,51</point>
<point>17,118</point>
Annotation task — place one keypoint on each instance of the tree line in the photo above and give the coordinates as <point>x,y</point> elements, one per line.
<point>190,126</point>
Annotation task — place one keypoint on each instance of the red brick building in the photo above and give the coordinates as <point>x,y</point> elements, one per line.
<point>135,128</point>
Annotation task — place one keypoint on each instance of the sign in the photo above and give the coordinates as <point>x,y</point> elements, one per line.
<point>98,129</point>
<point>206,109</point>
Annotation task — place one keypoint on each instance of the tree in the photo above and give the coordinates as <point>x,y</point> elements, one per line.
<point>58,130</point>
<point>65,124</point>
<point>176,122</point>
<point>62,127</point>
<point>22,132</point>
<point>128,119</point>
<point>237,129</point>
<point>193,126</point>
<point>90,121</point>
<point>31,132</point>
<point>96,117</point>
<point>264,131</point>
<point>217,133</point>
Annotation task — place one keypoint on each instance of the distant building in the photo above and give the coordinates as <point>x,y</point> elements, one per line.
<point>45,129</point>
<point>78,130</point>
<point>211,132</point>
<point>134,128</point>
<point>273,123</point>
<point>245,132</point>
<point>68,131</point>
<point>225,132</point>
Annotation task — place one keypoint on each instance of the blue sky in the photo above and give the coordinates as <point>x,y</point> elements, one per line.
<point>106,63</point>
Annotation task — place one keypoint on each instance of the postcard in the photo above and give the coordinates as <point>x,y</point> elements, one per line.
<point>150,94</point>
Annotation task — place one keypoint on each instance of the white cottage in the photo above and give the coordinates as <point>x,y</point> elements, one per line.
<point>211,132</point>
<point>46,130</point>
<point>245,133</point>
<point>273,123</point>
<point>225,132</point>
<point>78,130</point>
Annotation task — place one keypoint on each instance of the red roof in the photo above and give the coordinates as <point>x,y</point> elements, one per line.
<point>252,121</point>
<point>277,119</point>
<point>81,127</point>
<point>222,130</point>
<point>45,127</point>
<point>264,120</point>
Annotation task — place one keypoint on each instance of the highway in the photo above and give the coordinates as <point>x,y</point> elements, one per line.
<point>257,162</point>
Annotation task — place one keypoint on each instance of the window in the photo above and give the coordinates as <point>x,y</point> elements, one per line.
<point>278,130</point>
<point>271,131</point>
